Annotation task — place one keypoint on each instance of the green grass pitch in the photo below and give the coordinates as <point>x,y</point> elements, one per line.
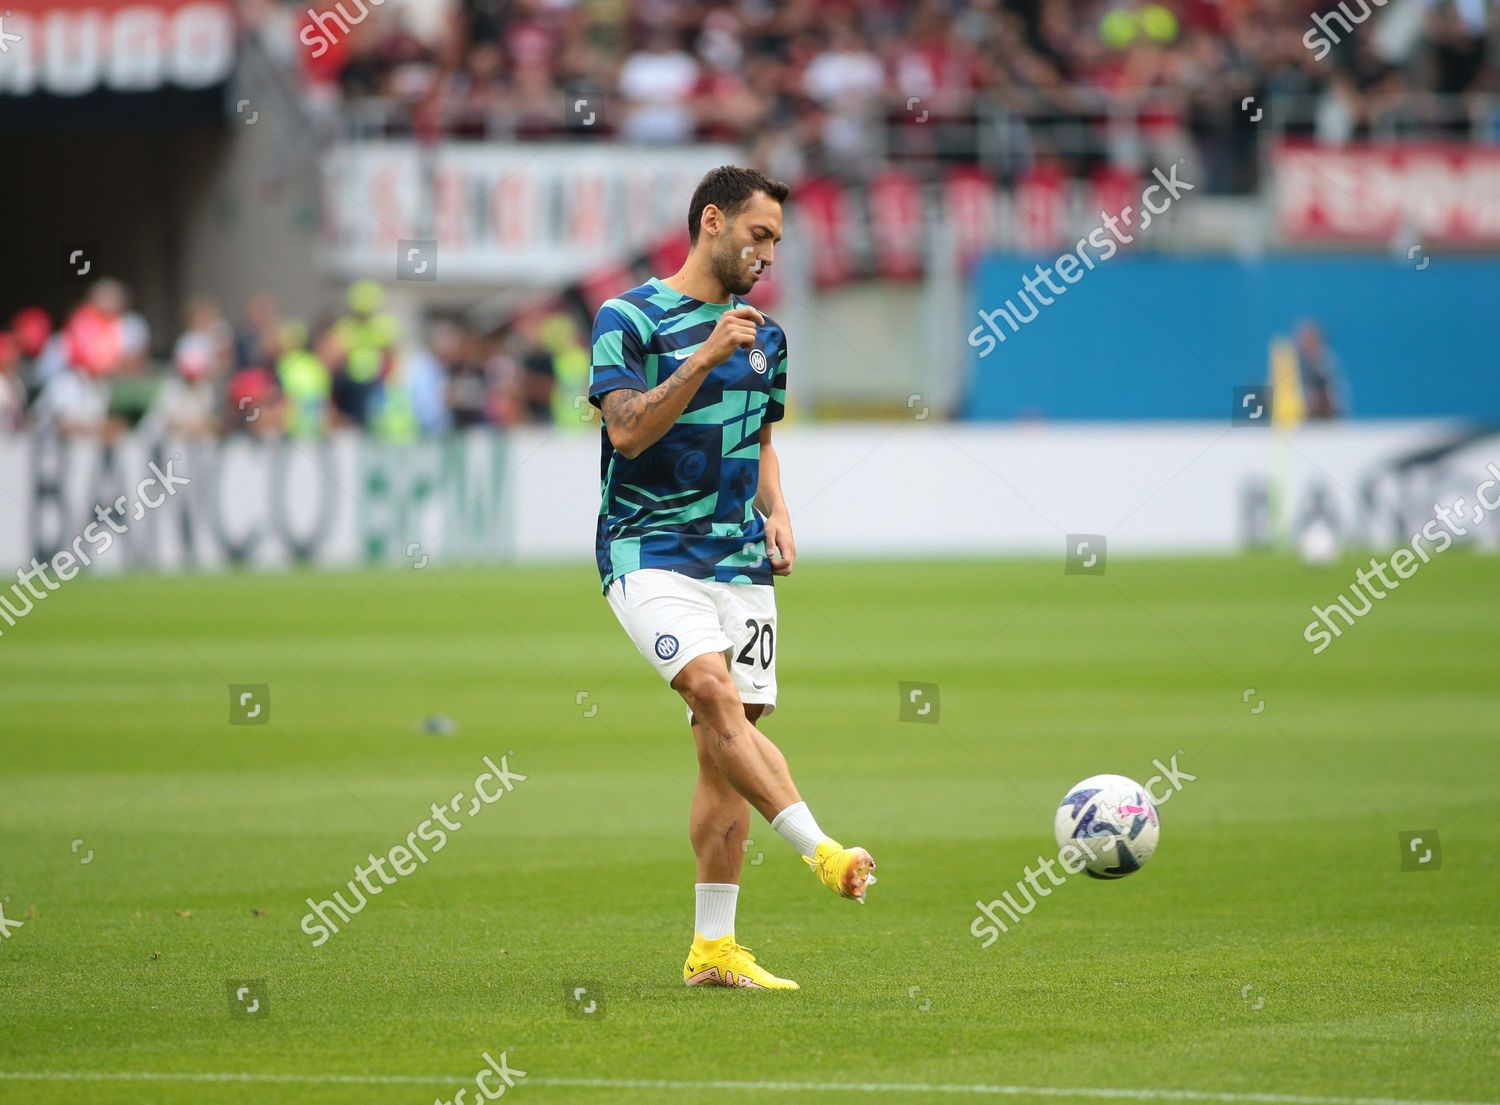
<point>1274,945</point>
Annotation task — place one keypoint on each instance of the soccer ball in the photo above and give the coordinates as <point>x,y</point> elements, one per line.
<point>1318,547</point>
<point>1112,821</point>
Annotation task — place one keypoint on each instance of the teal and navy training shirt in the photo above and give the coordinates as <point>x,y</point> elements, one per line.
<point>685,504</point>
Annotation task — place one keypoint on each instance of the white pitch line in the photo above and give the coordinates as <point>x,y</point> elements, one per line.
<point>190,1076</point>
<point>979,1089</point>
<point>997,1091</point>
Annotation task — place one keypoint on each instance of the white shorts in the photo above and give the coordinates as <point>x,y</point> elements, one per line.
<point>673,618</point>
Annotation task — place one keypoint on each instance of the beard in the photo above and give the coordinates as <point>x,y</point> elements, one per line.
<point>730,271</point>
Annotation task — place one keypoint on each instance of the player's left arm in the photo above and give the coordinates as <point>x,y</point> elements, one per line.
<point>781,546</point>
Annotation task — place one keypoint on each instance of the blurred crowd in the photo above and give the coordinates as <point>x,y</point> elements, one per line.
<point>833,86</point>
<point>91,374</point>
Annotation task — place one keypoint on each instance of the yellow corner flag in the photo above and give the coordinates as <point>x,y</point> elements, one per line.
<point>1288,407</point>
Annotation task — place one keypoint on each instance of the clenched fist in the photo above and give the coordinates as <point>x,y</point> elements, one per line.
<point>736,330</point>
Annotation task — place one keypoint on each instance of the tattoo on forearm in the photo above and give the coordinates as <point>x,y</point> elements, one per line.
<point>626,408</point>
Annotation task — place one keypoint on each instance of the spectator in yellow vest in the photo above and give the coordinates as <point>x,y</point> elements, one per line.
<point>306,384</point>
<point>366,343</point>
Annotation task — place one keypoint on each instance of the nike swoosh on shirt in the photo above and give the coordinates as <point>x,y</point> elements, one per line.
<point>682,354</point>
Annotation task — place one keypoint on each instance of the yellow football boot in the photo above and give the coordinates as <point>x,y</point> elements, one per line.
<point>845,871</point>
<point>722,962</point>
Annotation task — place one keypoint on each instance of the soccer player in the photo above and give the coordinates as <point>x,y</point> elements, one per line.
<point>692,529</point>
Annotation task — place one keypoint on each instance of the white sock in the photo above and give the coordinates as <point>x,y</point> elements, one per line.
<point>716,902</point>
<point>797,825</point>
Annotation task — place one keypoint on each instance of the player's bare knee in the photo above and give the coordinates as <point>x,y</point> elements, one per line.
<point>709,693</point>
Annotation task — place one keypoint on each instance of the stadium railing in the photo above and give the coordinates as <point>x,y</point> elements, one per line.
<point>1081,126</point>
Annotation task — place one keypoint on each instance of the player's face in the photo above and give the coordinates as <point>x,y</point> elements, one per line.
<point>747,247</point>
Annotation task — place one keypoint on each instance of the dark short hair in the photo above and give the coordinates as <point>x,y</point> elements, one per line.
<point>729,188</point>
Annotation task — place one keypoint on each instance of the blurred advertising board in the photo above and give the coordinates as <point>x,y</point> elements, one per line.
<point>253,501</point>
<point>530,213</point>
<point>1428,192</point>
<point>87,62</point>
<point>531,495</point>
